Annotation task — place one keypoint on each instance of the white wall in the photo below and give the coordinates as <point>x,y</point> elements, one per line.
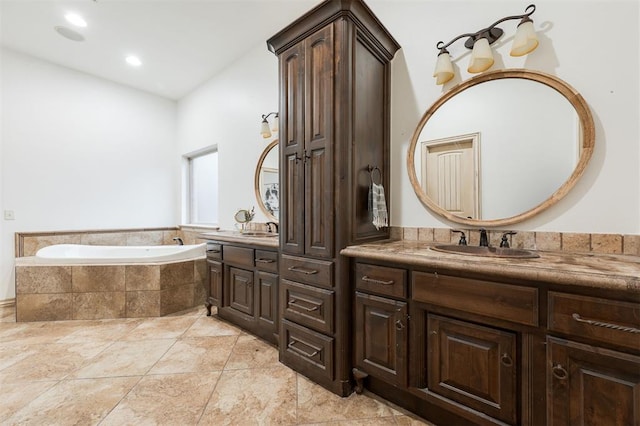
<point>574,46</point>
<point>227,111</point>
<point>80,152</point>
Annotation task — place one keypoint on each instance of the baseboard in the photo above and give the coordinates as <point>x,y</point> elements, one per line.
<point>8,303</point>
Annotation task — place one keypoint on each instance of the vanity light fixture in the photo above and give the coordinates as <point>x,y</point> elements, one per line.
<point>525,41</point>
<point>264,128</point>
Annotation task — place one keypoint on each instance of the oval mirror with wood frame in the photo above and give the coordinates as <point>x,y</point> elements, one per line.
<point>266,180</point>
<point>500,148</point>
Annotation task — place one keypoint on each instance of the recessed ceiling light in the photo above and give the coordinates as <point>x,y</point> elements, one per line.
<point>69,33</point>
<point>75,19</point>
<point>133,60</point>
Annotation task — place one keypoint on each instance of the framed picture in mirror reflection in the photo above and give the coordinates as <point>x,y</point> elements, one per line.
<point>271,190</point>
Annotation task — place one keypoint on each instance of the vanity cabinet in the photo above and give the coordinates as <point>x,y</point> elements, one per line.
<point>591,385</point>
<point>381,324</point>
<point>334,78</point>
<point>467,334</point>
<point>587,381</point>
<point>472,348</point>
<point>243,284</point>
<point>473,365</point>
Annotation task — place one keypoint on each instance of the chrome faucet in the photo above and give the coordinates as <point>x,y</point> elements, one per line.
<point>271,226</point>
<point>484,241</point>
<point>178,241</point>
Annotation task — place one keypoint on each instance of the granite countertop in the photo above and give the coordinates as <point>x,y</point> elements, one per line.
<point>617,272</point>
<point>237,237</point>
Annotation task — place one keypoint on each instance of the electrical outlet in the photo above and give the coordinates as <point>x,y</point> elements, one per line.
<point>8,215</point>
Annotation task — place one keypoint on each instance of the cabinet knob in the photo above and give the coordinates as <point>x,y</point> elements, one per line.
<point>559,372</point>
<point>506,360</point>
<point>399,325</point>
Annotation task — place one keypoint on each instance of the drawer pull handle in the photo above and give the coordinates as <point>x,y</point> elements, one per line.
<point>213,251</point>
<point>303,270</point>
<point>506,360</point>
<point>293,303</point>
<point>559,372</point>
<point>261,260</point>
<point>578,318</point>
<point>374,281</point>
<point>399,325</point>
<point>300,351</point>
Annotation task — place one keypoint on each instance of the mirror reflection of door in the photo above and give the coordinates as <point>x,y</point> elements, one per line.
<point>450,174</point>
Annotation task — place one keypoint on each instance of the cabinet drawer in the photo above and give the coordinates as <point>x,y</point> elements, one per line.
<point>309,352</point>
<point>609,321</point>
<point>267,260</point>
<point>239,256</point>
<point>309,306</point>
<point>381,280</point>
<point>310,271</point>
<point>214,251</point>
<point>502,301</point>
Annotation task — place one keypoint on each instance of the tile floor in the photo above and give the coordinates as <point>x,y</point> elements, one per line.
<point>184,369</point>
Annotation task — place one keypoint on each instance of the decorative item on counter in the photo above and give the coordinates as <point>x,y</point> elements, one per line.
<point>377,201</point>
<point>244,216</point>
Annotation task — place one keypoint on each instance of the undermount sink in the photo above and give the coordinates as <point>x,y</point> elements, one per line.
<point>258,234</point>
<point>486,251</point>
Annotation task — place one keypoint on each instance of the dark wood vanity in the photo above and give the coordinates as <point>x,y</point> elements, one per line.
<point>515,342</point>
<point>243,281</point>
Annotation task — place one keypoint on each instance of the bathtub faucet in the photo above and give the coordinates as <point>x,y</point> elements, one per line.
<point>178,241</point>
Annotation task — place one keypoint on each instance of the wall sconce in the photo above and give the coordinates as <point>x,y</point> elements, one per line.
<point>264,128</point>
<point>525,41</point>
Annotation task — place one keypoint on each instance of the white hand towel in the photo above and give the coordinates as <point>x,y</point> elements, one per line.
<point>378,206</point>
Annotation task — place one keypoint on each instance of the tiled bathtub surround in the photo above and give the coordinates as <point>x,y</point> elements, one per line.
<point>28,243</point>
<point>550,241</point>
<point>87,292</point>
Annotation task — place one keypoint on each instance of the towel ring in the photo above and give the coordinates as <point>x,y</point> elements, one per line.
<point>371,173</point>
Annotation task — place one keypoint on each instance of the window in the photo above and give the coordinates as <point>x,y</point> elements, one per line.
<point>202,192</point>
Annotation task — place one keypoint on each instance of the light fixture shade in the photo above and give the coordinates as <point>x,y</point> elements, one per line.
<point>481,57</point>
<point>444,68</point>
<point>525,40</point>
<point>274,128</point>
<point>264,129</point>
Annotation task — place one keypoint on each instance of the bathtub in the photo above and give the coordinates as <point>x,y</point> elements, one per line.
<point>82,282</point>
<point>66,254</point>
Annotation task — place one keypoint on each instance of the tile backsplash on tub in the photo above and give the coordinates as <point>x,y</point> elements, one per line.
<point>551,241</point>
<point>28,243</point>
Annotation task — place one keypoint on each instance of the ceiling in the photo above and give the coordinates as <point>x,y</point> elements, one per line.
<point>182,43</point>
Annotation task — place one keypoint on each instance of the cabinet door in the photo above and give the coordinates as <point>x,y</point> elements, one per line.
<point>291,144</point>
<point>240,290</point>
<point>318,124</point>
<point>381,338</point>
<point>473,365</point>
<point>591,386</point>
<point>267,301</point>
<point>215,282</point>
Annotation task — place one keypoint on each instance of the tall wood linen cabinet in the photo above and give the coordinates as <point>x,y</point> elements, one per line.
<point>334,78</point>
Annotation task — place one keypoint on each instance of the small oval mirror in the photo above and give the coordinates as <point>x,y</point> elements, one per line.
<point>243,216</point>
<point>500,147</point>
<point>267,182</point>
